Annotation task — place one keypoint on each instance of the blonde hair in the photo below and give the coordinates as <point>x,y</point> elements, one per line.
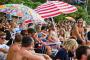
<point>70,44</point>
<point>2,33</point>
<point>62,29</point>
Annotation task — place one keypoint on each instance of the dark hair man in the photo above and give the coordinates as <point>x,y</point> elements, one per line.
<point>26,51</point>
<point>82,52</point>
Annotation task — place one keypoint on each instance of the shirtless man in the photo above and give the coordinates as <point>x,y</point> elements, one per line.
<point>14,47</point>
<point>26,51</point>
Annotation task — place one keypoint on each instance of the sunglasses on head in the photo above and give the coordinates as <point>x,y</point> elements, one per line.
<point>80,22</point>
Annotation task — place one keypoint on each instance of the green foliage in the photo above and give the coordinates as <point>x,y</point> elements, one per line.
<point>88,20</point>
<point>59,18</point>
<point>15,1</point>
<point>18,1</point>
<point>32,4</point>
<point>80,13</point>
<point>41,1</point>
<point>28,3</point>
<point>2,0</point>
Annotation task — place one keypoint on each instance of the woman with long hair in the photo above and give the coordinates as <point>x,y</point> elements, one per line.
<point>77,32</point>
<point>67,51</point>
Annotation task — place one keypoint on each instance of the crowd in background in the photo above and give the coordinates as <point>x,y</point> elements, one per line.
<point>68,40</point>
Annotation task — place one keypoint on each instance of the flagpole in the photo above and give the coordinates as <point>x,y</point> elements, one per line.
<point>54,25</point>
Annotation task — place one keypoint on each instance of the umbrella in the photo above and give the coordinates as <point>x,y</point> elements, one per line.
<point>14,9</point>
<point>55,8</point>
<point>21,10</point>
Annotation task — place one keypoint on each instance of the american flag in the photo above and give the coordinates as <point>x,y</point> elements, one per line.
<point>55,8</point>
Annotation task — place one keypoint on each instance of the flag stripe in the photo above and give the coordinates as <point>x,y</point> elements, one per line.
<point>54,8</point>
<point>51,15</point>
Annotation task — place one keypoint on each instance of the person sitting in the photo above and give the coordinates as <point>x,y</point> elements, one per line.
<point>88,35</point>
<point>3,47</point>
<point>82,52</point>
<point>88,58</point>
<point>65,52</point>
<point>26,51</point>
<point>88,38</point>
<point>77,32</point>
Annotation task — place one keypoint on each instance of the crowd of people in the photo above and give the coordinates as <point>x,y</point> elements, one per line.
<point>68,40</point>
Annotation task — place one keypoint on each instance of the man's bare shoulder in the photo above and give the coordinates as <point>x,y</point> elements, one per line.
<point>15,47</point>
<point>24,53</point>
<point>29,55</point>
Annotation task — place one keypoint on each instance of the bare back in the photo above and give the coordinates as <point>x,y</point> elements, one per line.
<point>13,49</point>
<point>30,55</point>
<point>17,55</point>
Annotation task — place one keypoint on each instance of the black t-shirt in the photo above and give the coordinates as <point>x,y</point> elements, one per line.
<point>8,35</point>
<point>88,35</point>
<point>62,55</point>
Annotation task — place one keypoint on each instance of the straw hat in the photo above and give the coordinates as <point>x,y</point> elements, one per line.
<point>70,19</point>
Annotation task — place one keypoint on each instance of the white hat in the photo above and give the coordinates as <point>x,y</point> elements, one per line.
<point>70,18</point>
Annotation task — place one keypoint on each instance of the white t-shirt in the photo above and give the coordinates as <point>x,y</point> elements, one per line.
<point>3,55</point>
<point>4,46</point>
